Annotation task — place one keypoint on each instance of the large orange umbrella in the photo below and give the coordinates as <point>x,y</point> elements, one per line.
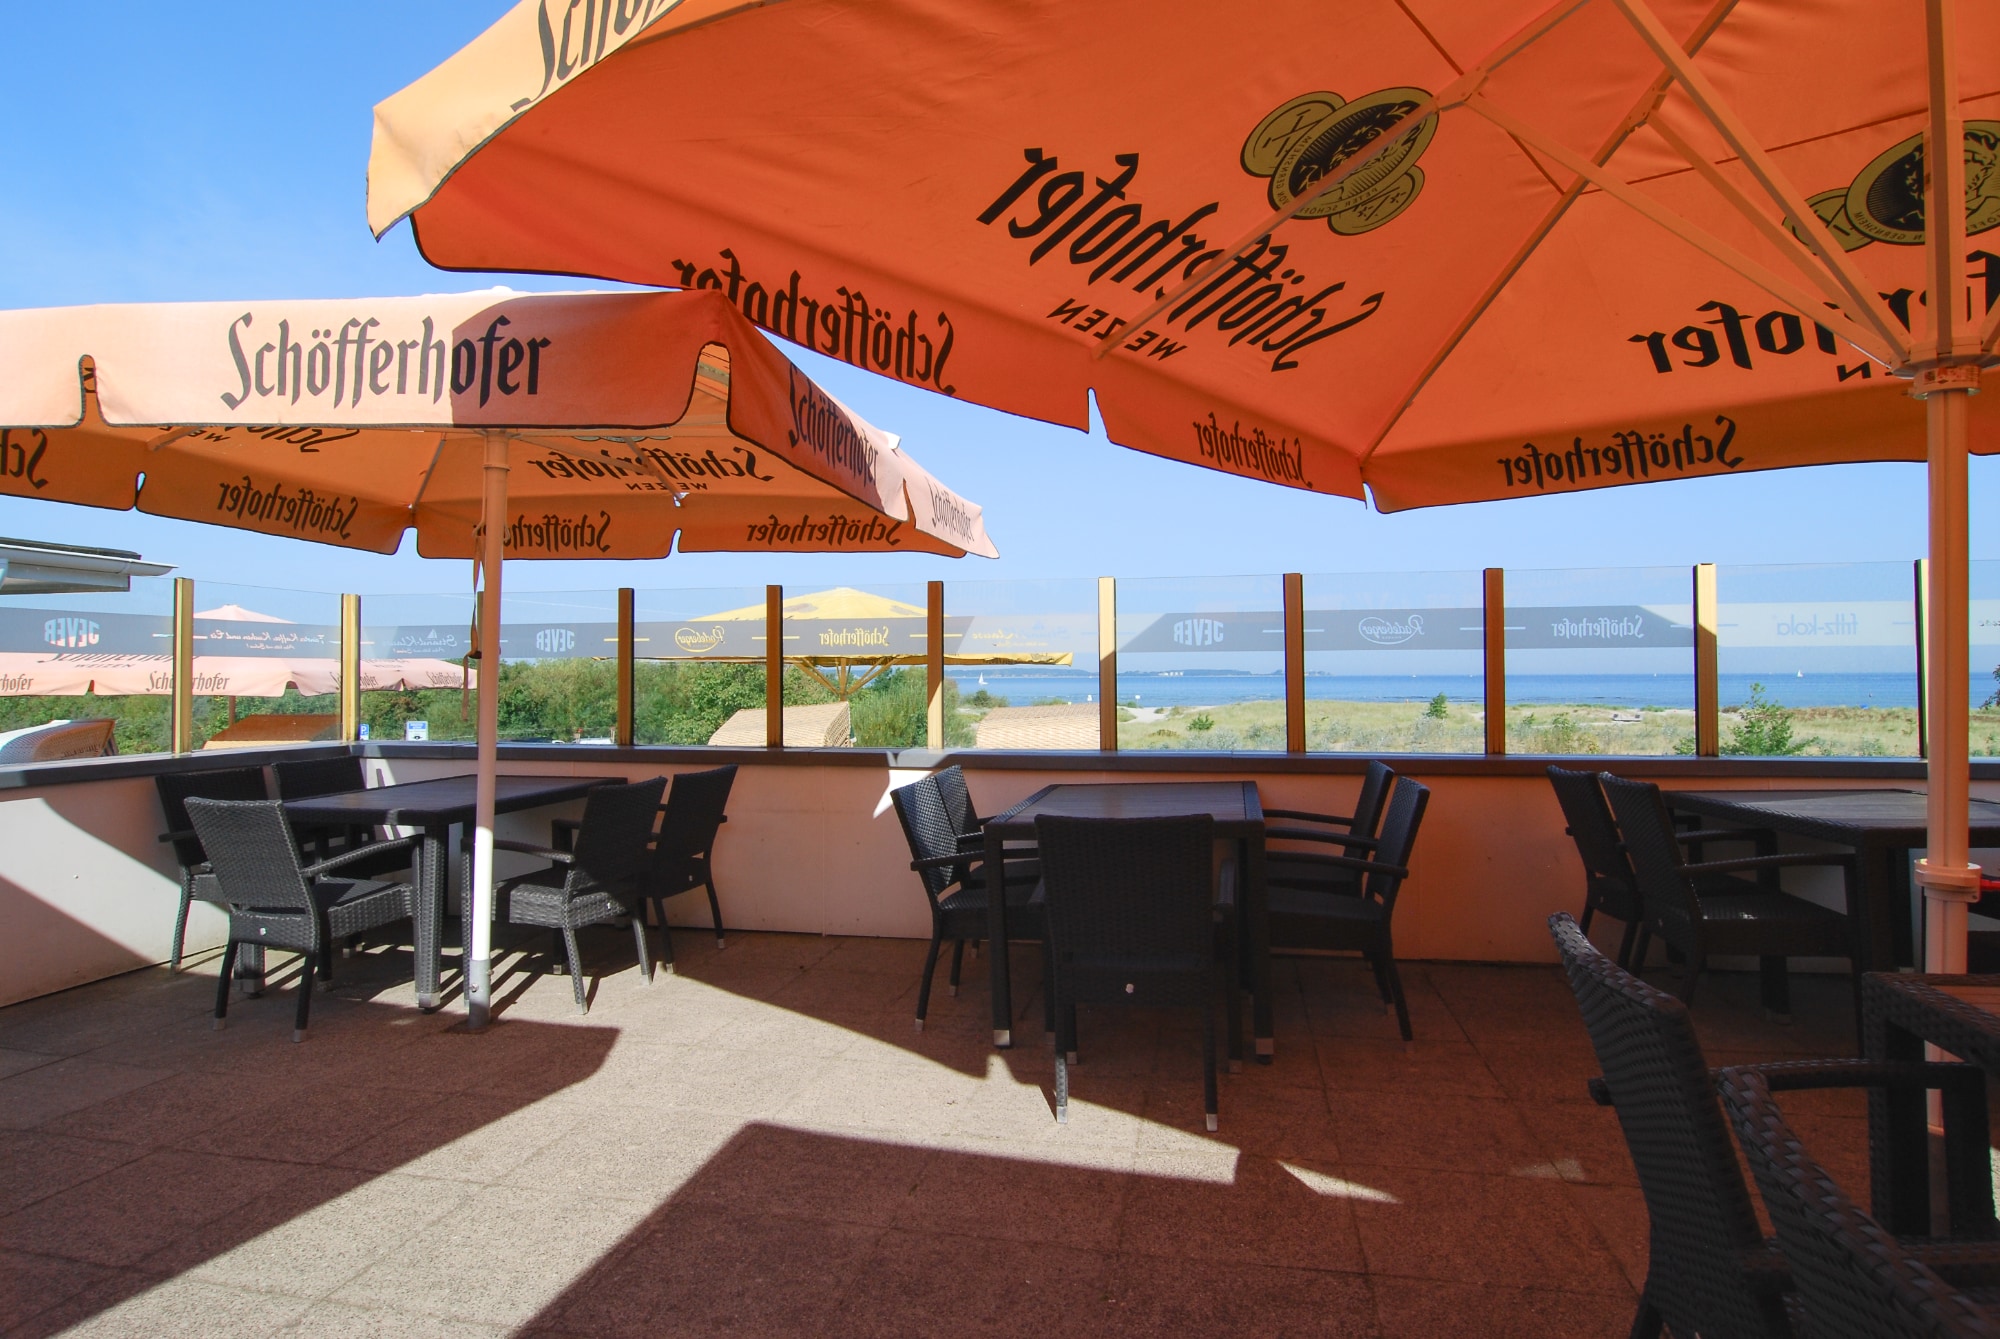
<point>1449,252</point>
<point>548,426</point>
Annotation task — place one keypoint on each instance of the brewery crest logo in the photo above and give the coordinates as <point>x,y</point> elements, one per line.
<point>1315,133</point>
<point>1885,201</point>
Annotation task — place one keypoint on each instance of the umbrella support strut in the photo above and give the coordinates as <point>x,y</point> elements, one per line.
<point>1949,882</point>
<point>479,905</point>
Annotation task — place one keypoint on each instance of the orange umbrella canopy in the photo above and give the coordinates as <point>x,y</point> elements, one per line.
<point>629,418</point>
<point>1448,251</point>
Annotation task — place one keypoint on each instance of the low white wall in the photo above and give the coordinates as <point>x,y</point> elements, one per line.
<point>87,890</point>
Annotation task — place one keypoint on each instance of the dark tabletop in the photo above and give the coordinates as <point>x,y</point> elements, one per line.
<point>1233,804</point>
<point>444,799</point>
<point>1881,818</point>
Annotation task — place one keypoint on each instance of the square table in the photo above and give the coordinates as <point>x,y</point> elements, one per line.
<point>1239,816</point>
<point>432,807</point>
<point>1899,1013</point>
<point>1882,827</point>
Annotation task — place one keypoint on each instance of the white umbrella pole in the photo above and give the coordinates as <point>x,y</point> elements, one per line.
<point>1949,882</point>
<point>479,914</point>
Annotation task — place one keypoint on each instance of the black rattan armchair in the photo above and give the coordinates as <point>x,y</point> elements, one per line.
<point>1297,857</point>
<point>197,879</point>
<point>955,885</point>
<point>304,778</point>
<point>597,883</point>
<point>1854,1280</point>
<point>1135,918</point>
<point>276,901</point>
<point>684,851</point>
<point>1331,916</point>
<point>1704,908</point>
<point>1711,1270</point>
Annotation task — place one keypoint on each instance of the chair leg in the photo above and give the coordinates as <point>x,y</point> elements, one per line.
<point>1386,960</point>
<point>714,914</point>
<point>1774,985</point>
<point>1589,911</point>
<point>666,938</point>
<point>1625,943</point>
<point>575,969</point>
<point>305,996</point>
<point>1048,989</point>
<point>1208,1097</point>
<point>222,981</point>
<point>1381,981</point>
<point>1639,950</point>
<point>930,969</point>
<point>1062,1087</point>
<point>645,949</point>
<point>957,961</point>
<point>558,946</point>
<point>181,924</point>
<point>1648,1322</point>
<point>1690,974</point>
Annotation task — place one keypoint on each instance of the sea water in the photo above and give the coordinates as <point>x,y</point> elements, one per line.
<point>1191,689</point>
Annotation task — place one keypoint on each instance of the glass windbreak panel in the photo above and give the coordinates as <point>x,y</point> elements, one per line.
<point>1600,660</point>
<point>854,667</point>
<point>266,666</point>
<point>415,680</point>
<point>699,675</point>
<point>100,657</point>
<point>559,666</point>
<point>1395,663</point>
<point>1021,664</point>
<point>1984,589</point>
<point>1818,660</point>
<point>1201,663</point>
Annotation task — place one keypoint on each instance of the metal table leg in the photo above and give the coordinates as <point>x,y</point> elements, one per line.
<point>997,961</point>
<point>1257,913</point>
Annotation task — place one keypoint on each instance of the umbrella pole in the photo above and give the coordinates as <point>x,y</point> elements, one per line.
<point>1949,882</point>
<point>479,911</point>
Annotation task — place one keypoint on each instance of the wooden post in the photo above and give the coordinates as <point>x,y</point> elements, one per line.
<point>1707,677</point>
<point>1295,662</point>
<point>774,667</point>
<point>1107,664</point>
<point>1495,618</point>
<point>934,665</point>
<point>1923,606</point>
<point>350,667</point>
<point>180,715</point>
<point>622,732</point>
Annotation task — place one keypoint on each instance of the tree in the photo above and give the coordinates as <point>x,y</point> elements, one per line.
<point>1439,708</point>
<point>1763,729</point>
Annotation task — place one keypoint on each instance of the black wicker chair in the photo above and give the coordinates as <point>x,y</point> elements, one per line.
<point>275,901</point>
<point>1135,918</point>
<point>1701,909</point>
<point>597,883</point>
<point>1711,1270</point>
<point>965,823</point>
<point>1854,1280</point>
<point>1306,866</point>
<point>954,883</point>
<point>1331,917</point>
<point>304,778</point>
<point>1609,883</point>
<point>684,851</point>
<point>197,879</point>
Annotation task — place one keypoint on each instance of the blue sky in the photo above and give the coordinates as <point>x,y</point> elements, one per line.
<point>218,151</point>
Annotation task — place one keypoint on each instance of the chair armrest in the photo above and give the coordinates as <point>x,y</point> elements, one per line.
<point>1341,820</point>
<point>939,861</point>
<point>1725,834</point>
<point>1797,1075</point>
<point>1791,860</point>
<point>539,852</point>
<point>1364,866</point>
<point>319,867</point>
<point>1328,838</point>
<point>1962,1264</point>
<point>184,836</point>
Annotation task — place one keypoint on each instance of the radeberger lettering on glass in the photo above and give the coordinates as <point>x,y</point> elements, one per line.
<point>1632,455</point>
<point>352,361</point>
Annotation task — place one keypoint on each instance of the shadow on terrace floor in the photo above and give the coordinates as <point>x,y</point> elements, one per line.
<point>764,1144</point>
